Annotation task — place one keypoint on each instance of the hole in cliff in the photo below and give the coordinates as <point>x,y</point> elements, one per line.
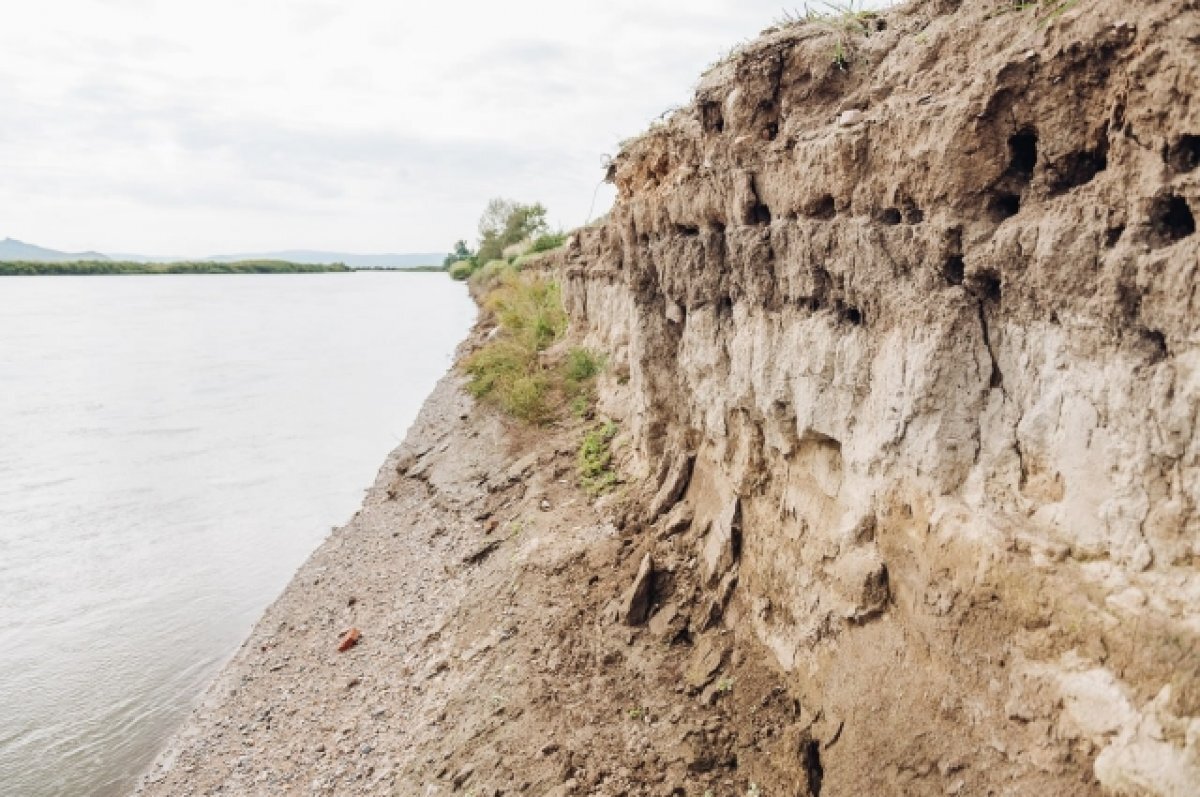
<point>824,208</point>
<point>1023,154</point>
<point>853,315</point>
<point>1113,234</point>
<point>1170,219</point>
<point>759,214</point>
<point>889,216</point>
<point>725,306</point>
<point>913,214</point>
<point>1077,169</point>
<point>1003,206</point>
<point>1154,343</point>
<point>953,270</point>
<point>771,132</point>
<point>986,286</point>
<point>687,230</point>
<point>813,771</point>
<point>711,118</point>
<point>1184,154</point>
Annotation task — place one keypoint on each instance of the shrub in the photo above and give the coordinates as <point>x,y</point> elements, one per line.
<point>527,398</point>
<point>579,371</point>
<point>461,269</point>
<point>581,405</point>
<point>491,273</point>
<point>529,310</point>
<point>582,364</point>
<point>545,243</point>
<point>508,374</point>
<point>596,473</point>
<point>509,370</point>
<point>496,365</point>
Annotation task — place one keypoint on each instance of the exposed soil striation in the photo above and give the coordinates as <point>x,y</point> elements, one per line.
<point>902,329</point>
<point>923,319</point>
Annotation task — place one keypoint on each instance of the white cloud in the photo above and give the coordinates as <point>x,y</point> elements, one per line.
<point>362,125</point>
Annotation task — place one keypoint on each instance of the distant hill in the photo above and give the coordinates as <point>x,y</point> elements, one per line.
<point>12,249</point>
<point>352,260</point>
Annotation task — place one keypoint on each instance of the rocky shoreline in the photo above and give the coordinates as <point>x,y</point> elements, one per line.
<point>290,713</point>
<point>504,645</point>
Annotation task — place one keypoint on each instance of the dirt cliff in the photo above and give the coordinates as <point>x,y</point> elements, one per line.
<point>901,324</point>
<point>913,300</point>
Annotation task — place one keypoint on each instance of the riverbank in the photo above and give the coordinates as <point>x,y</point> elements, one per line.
<point>492,658</point>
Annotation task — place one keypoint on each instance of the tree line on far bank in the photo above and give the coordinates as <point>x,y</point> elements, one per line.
<point>508,232</point>
<point>16,268</point>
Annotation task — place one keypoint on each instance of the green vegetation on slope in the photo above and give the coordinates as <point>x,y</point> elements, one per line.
<point>508,233</point>
<point>594,460</point>
<point>515,370</point>
<point>24,268</point>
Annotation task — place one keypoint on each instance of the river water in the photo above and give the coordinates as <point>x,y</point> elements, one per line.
<point>171,449</point>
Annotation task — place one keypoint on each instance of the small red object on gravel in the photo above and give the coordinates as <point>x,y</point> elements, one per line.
<point>349,640</point>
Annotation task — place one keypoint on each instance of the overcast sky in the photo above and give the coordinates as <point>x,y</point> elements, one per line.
<point>190,129</point>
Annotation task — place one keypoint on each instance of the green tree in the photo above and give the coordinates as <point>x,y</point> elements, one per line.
<point>461,252</point>
<point>506,222</point>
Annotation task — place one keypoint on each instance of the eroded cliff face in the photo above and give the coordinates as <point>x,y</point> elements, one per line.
<point>908,320</point>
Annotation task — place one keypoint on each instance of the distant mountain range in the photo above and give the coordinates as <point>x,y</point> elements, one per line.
<point>12,249</point>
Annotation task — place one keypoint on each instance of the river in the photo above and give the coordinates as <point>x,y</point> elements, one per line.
<point>171,449</point>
